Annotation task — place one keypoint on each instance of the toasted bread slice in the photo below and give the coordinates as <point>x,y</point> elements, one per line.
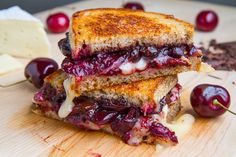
<point>139,93</point>
<point>108,30</point>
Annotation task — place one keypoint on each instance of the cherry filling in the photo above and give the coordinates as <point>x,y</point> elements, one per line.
<point>121,116</point>
<point>142,57</point>
<point>160,130</point>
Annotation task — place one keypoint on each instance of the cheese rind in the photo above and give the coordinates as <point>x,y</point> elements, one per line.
<point>22,35</point>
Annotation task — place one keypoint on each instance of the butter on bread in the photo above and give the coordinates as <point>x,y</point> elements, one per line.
<point>107,30</point>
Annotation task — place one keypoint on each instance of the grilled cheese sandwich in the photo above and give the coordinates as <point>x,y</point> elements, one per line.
<point>127,104</point>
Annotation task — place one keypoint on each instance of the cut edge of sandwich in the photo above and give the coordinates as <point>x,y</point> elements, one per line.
<point>94,82</point>
<point>139,133</point>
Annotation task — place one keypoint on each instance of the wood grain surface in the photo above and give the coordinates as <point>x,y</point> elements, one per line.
<point>24,134</point>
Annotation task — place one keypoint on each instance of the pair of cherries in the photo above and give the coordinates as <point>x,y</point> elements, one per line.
<point>59,22</point>
<point>206,20</point>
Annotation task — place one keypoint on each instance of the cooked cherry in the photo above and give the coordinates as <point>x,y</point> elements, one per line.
<point>125,121</point>
<point>207,100</point>
<point>159,130</point>
<point>64,46</point>
<point>134,55</point>
<point>37,69</point>
<point>176,52</point>
<point>103,117</point>
<point>206,20</point>
<point>114,104</point>
<point>126,136</point>
<point>58,22</point>
<point>133,6</point>
<point>83,105</point>
<point>109,63</point>
<point>149,51</point>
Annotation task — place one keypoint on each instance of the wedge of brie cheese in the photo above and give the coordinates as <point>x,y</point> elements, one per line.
<point>8,64</point>
<point>22,35</point>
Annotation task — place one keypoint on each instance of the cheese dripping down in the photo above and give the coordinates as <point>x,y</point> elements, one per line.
<point>67,106</point>
<point>181,126</point>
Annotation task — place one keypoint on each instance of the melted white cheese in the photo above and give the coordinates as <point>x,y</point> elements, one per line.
<point>67,105</point>
<point>165,110</point>
<point>141,64</point>
<point>128,68</point>
<point>134,140</point>
<point>160,147</point>
<point>182,125</point>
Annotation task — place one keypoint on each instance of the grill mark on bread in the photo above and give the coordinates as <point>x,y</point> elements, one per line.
<point>103,30</point>
<point>110,24</point>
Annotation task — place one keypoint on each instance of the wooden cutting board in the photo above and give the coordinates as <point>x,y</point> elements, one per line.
<point>25,134</point>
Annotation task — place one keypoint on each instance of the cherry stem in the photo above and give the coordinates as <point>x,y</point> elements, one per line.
<point>13,84</point>
<point>217,103</point>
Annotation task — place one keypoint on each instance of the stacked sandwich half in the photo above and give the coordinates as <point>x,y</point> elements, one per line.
<point>119,74</point>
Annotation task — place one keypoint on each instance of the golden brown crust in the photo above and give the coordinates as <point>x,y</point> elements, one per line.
<point>111,29</point>
<point>146,92</point>
<point>145,88</point>
<point>56,79</point>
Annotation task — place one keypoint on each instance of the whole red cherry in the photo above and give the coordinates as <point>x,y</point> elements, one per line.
<point>133,6</point>
<point>210,100</point>
<point>58,22</point>
<point>206,20</point>
<point>37,69</point>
